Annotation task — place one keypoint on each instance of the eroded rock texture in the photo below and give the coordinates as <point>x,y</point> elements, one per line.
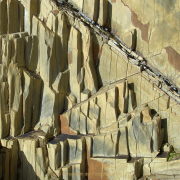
<point>89,89</point>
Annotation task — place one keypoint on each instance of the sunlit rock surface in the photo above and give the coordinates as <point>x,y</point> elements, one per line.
<point>89,89</point>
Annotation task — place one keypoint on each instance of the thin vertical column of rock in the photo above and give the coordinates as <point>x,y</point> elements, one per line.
<point>90,77</point>
<point>3,17</point>
<point>75,63</point>
<point>31,8</point>
<point>14,16</point>
<point>15,99</point>
<point>31,100</point>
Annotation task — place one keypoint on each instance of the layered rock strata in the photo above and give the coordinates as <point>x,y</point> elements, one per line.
<point>84,94</point>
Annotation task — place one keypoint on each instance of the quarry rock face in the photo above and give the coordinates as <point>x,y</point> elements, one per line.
<point>89,89</point>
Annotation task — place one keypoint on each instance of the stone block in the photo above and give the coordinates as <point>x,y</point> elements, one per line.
<point>61,82</point>
<point>103,12</point>
<point>141,134</point>
<point>41,162</point>
<point>75,152</point>
<point>94,109</point>
<point>50,108</point>
<point>15,98</point>
<point>90,74</point>
<point>31,8</point>
<point>120,172</point>
<point>110,146</point>
<point>18,51</point>
<point>122,97</point>
<point>6,51</point>
<point>63,32</point>
<point>21,17</point>
<point>88,147</point>
<point>109,168</point>
<point>3,17</point>
<point>146,170</point>
<point>37,84</point>
<point>78,171</point>
<point>85,94</point>
<point>101,102</point>
<point>83,123</point>
<point>54,155</point>
<point>113,71</point>
<point>4,111</point>
<point>95,168</point>
<point>85,108</point>
<point>75,64</point>
<point>91,125</point>
<point>123,142</point>
<point>4,166</point>
<point>70,101</point>
<point>31,52</point>
<point>130,39</point>
<point>158,167</point>
<point>131,101</point>
<point>104,64</point>
<point>27,100</point>
<point>90,8</point>
<point>12,16</point>
<point>111,107</point>
<point>66,172</point>
<point>63,158</point>
<point>98,146</point>
<point>52,22</point>
<point>122,67</point>
<point>64,122</point>
<point>74,122</point>
<point>146,115</point>
<point>28,157</point>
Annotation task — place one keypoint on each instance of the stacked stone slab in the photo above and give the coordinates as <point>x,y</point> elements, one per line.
<point>73,156</point>
<point>130,133</point>
<point>102,109</point>
<point>20,100</point>
<point>12,17</point>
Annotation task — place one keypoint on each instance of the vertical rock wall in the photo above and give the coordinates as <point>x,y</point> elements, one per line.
<point>78,100</point>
